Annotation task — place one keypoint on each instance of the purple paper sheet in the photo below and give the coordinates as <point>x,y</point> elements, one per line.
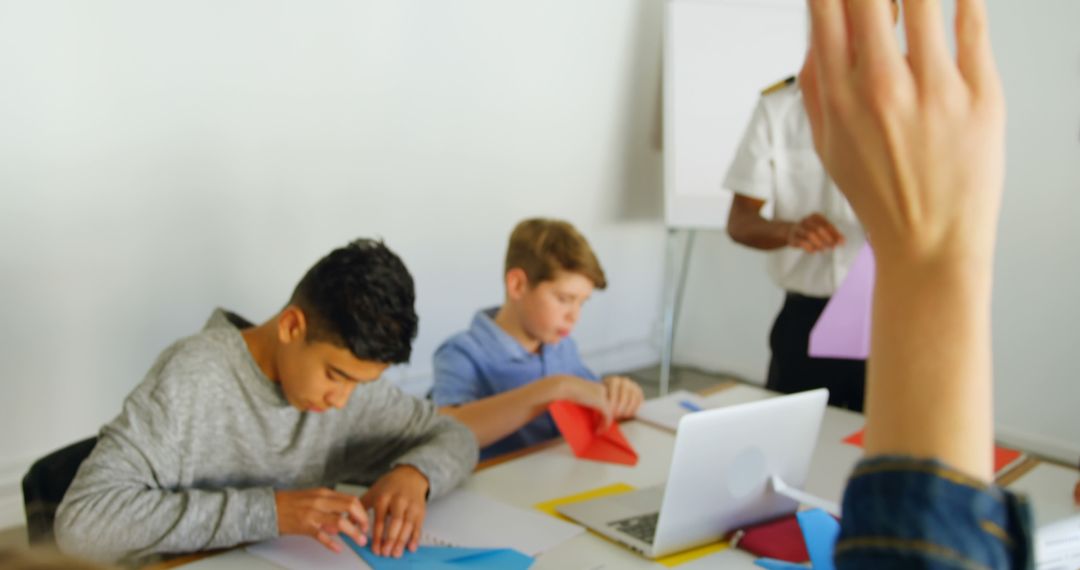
<point>843,330</point>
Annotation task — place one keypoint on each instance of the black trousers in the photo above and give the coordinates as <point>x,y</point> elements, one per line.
<point>793,370</point>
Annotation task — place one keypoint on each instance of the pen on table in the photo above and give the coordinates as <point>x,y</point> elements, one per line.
<point>690,405</point>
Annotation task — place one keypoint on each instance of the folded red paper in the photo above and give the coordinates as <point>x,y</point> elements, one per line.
<point>1005,458</point>
<point>579,426</point>
<point>780,538</point>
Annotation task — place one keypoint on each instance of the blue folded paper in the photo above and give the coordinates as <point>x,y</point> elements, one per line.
<point>820,531</point>
<point>774,564</point>
<point>444,558</point>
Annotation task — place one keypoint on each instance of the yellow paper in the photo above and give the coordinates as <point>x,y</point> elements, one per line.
<point>686,556</point>
<point>614,489</point>
<point>549,506</point>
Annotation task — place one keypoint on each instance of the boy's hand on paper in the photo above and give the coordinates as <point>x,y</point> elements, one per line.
<point>586,393</point>
<point>624,395</point>
<point>814,233</point>
<point>321,513</point>
<point>914,140</point>
<point>399,499</point>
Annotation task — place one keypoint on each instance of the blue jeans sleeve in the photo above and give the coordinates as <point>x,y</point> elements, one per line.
<point>919,514</point>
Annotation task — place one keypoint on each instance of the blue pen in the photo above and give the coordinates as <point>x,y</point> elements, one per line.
<point>690,405</point>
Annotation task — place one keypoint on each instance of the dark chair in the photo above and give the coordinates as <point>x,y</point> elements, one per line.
<point>45,484</point>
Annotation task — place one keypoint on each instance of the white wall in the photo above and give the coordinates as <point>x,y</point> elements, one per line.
<point>164,158</point>
<point>1036,304</point>
<point>730,303</point>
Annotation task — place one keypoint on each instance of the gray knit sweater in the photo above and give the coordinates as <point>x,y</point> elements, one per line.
<point>192,461</point>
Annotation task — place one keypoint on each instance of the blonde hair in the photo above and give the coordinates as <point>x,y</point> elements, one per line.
<point>541,247</point>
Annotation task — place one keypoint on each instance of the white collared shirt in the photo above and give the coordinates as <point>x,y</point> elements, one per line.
<point>776,162</point>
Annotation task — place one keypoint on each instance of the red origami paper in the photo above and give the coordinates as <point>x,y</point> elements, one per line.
<point>579,425</point>
<point>1004,458</point>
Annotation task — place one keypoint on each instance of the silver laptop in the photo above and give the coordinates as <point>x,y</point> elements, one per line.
<point>720,477</point>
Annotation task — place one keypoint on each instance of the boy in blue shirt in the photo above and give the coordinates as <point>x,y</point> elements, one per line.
<point>499,376</point>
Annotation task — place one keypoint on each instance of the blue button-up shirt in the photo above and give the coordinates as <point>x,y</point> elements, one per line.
<point>485,360</point>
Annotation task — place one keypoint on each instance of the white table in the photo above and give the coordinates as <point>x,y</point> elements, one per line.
<point>553,471</point>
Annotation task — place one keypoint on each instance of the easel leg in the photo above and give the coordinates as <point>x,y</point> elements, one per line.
<point>674,288</point>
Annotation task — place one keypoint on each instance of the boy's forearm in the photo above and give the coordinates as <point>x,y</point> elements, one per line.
<point>495,417</point>
<point>445,457</point>
<point>929,387</point>
<point>127,522</point>
<point>121,507</point>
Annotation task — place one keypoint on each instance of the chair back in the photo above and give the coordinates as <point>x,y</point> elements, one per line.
<point>45,484</point>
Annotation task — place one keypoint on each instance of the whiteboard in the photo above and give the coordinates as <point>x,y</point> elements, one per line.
<point>718,56</point>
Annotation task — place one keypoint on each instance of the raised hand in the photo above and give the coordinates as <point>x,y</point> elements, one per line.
<point>915,141</point>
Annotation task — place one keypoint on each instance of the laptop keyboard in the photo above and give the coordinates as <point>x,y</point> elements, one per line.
<point>642,527</point>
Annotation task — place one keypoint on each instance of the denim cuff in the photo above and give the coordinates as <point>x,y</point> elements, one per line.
<point>901,512</point>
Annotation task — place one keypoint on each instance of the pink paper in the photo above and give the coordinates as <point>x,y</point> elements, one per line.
<point>843,330</point>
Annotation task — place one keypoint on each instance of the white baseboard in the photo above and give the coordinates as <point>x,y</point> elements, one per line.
<point>1064,451</point>
<point>12,512</point>
<point>11,500</point>
<point>622,357</point>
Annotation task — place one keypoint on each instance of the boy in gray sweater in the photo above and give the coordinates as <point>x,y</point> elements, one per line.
<point>238,433</point>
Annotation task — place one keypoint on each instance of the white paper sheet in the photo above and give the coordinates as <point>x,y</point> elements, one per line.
<point>467,518</point>
<point>1057,546</point>
<point>303,552</point>
<point>1049,490</point>
<point>666,411</point>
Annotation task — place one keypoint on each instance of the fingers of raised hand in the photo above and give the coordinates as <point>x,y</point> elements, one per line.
<point>975,58</point>
<point>808,83</point>
<point>928,52</point>
<point>871,36</point>
<point>829,40</point>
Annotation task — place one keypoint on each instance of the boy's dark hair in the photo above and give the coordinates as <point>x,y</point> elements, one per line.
<point>360,297</point>
<point>541,247</point>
